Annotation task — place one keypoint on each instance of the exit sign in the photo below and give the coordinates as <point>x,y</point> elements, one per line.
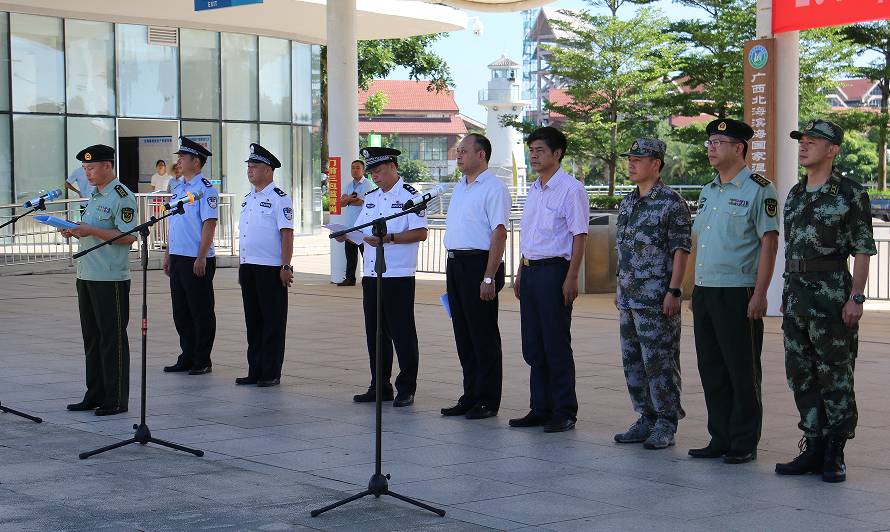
<point>203,5</point>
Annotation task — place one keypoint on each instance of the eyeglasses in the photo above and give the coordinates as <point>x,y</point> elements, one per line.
<point>717,143</point>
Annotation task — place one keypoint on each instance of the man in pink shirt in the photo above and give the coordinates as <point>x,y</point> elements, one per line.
<point>554,232</point>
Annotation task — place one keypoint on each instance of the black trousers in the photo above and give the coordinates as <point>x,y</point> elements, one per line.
<point>476,332</point>
<point>265,312</point>
<point>398,330</point>
<point>193,310</point>
<point>352,251</point>
<point>728,346</point>
<point>547,340</point>
<point>104,314</point>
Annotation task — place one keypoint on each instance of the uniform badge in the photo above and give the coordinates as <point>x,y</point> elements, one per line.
<point>721,126</point>
<point>833,188</point>
<point>398,205</point>
<point>121,191</point>
<point>265,204</point>
<point>87,156</point>
<point>280,192</point>
<point>288,213</point>
<point>243,204</point>
<point>212,201</point>
<point>772,207</point>
<point>207,183</point>
<point>366,154</point>
<point>369,205</point>
<point>127,214</point>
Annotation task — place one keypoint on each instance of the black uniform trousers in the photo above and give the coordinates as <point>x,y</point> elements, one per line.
<point>476,332</point>
<point>265,312</point>
<point>547,340</point>
<point>352,251</point>
<point>398,329</point>
<point>193,310</point>
<point>104,314</point>
<point>728,346</point>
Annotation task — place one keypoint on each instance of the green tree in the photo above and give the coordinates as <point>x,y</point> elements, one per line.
<point>376,103</point>
<point>858,159</point>
<point>413,171</point>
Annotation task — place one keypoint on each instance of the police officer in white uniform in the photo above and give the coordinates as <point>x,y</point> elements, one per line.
<point>401,242</point>
<point>266,237</point>
<point>190,261</point>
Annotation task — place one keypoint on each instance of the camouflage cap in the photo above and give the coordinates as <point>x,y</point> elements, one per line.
<point>822,129</point>
<point>647,148</point>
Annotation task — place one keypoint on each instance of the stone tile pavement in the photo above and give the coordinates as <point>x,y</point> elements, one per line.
<point>273,454</point>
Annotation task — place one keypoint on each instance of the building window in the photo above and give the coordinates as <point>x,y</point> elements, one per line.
<point>236,147</point>
<point>148,75</point>
<point>38,64</point>
<point>277,139</point>
<point>5,166</point>
<point>239,76</point>
<point>89,69</point>
<point>301,69</point>
<point>86,131</point>
<point>39,154</point>
<point>199,53</point>
<point>275,80</point>
<point>200,132</point>
<point>423,148</point>
<point>4,62</point>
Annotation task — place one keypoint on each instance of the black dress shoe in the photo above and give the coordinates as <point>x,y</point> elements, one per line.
<point>739,457</point>
<point>176,368</point>
<point>81,406</point>
<point>459,409</point>
<point>203,370</point>
<point>268,382</point>
<point>480,411</point>
<point>246,380</point>
<point>403,399</point>
<point>346,283</point>
<point>707,452</point>
<point>529,420</point>
<point>110,410</point>
<point>559,424</point>
<point>370,396</point>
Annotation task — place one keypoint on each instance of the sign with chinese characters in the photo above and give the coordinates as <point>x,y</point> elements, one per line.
<point>790,15</point>
<point>334,174</point>
<point>760,109</point>
<point>203,5</point>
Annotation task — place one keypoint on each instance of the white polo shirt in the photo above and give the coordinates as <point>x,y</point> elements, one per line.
<point>263,215</point>
<point>184,234</point>
<point>475,211</point>
<point>401,259</point>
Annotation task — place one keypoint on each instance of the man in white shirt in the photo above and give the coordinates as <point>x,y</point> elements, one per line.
<point>352,200</point>
<point>160,181</point>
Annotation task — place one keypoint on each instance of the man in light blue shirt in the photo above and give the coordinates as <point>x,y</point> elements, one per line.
<point>352,200</point>
<point>78,183</point>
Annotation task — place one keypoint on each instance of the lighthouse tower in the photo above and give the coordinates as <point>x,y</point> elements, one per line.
<point>503,97</point>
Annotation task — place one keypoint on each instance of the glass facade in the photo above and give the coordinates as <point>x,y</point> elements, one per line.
<point>75,81</point>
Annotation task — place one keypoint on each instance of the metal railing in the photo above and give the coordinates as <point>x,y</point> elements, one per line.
<point>878,285</point>
<point>432,255</point>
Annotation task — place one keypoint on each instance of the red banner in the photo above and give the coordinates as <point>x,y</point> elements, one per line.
<point>334,175</point>
<point>790,15</point>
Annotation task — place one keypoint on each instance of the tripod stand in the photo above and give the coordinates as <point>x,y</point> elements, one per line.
<point>20,414</point>
<point>378,484</point>
<point>143,435</point>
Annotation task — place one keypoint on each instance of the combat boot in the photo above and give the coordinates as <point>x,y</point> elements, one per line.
<point>637,433</point>
<point>810,459</point>
<point>834,469</point>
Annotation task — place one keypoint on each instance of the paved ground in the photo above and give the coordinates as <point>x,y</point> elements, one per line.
<point>274,454</point>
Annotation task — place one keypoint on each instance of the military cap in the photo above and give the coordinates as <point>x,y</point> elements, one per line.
<point>376,156</point>
<point>259,154</point>
<point>822,129</point>
<point>187,145</point>
<point>730,128</point>
<point>96,153</point>
<point>647,148</point>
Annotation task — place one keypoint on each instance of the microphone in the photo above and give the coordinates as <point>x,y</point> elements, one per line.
<point>434,193</point>
<point>187,200</point>
<point>46,196</point>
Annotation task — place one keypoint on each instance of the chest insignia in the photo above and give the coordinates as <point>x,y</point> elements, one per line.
<point>735,202</point>
<point>398,205</point>
<point>103,209</point>
<point>265,204</point>
<point>369,205</point>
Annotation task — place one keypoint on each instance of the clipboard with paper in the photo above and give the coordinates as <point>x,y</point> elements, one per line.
<point>356,237</point>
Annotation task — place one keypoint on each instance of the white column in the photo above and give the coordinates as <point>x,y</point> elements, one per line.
<point>342,103</point>
<point>787,88</point>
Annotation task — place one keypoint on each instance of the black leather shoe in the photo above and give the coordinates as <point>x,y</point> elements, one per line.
<point>177,368</point>
<point>529,420</point>
<point>346,283</point>
<point>203,370</point>
<point>110,410</point>
<point>81,406</point>
<point>370,396</point>
<point>457,410</point>
<point>480,411</point>
<point>559,424</point>
<point>739,457</point>
<point>246,380</point>
<point>268,382</point>
<point>707,452</point>
<point>403,399</point>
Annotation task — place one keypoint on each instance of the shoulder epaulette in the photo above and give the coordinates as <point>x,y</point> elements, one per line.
<point>409,188</point>
<point>371,191</point>
<point>280,192</point>
<point>760,180</point>
<point>121,191</point>
<point>206,182</point>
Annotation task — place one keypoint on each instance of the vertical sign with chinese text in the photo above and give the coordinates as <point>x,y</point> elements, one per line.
<point>760,108</point>
<point>334,173</point>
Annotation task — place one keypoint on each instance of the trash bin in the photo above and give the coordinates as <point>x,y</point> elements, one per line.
<point>601,257</point>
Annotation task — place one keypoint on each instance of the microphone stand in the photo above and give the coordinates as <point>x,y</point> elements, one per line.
<point>143,435</point>
<point>41,206</point>
<point>378,484</point>
<point>20,414</point>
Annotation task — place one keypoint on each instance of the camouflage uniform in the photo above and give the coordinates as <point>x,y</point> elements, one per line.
<point>650,230</point>
<point>830,223</point>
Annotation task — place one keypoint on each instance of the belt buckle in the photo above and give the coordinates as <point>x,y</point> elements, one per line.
<point>450,254</point>
<point>525,261</point>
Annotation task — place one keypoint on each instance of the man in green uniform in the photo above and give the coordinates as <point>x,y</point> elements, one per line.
<point>103,284</point>
<point>738,232</point>
<point>827,219</point>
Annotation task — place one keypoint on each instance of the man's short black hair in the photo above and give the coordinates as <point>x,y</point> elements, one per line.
<point>161,161</point>
<point>552,137</point>
<point>361,162</point>
<point>482,143</point>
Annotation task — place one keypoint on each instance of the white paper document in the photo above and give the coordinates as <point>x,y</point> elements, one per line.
<point>356,237</point>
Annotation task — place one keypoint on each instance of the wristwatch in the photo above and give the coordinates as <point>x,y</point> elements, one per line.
<point>676,292</point>
<point>287,267</point>
<point>858,298</point>
<point>487,280</point>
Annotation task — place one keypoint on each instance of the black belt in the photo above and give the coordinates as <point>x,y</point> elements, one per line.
<point>456,253</point>
<point>818,265</point>
<point>541,262</point>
